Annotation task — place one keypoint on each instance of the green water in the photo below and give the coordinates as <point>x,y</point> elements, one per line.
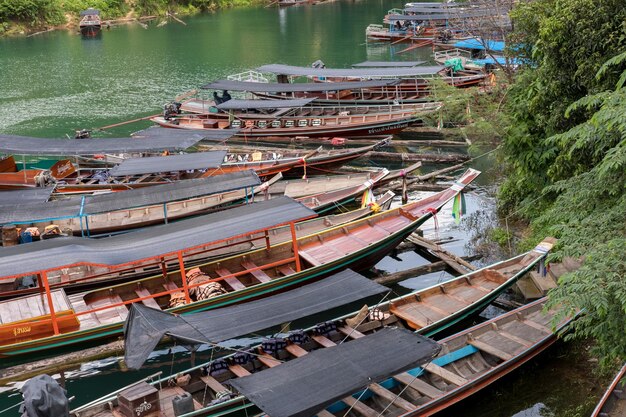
<point>53,84</point>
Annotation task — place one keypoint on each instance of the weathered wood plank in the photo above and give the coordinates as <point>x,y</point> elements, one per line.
<point>418,385</point>
<point>445,374</point>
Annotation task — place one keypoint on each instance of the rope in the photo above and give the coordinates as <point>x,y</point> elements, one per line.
<point>358,399</point>
<point>366,316</point>
<point>13,406</point>
<point>402,391</point>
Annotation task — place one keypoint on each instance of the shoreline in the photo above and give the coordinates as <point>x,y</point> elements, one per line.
<point>16,29</point>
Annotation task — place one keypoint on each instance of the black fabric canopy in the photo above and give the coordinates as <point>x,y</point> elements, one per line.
<point>33,195</point>
<point>306,385</point>
<point>293,87</point>
<point>149,165</point>
<point>350,72</point>
<point>387,64</point>
<point>145,326</point>
<point>123,200</point>
<point>153,241</point>
<point>152,139</point>
<point>235,104</point>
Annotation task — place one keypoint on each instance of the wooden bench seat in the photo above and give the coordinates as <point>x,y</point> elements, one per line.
<point>213,383</point>
<point>234,283</point>
<point>149,302</point>
<point>286,270</point>
<point>258,274</point>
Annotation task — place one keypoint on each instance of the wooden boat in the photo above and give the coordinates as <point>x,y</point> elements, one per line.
<point>410,78</point>
<point>613,402</point>
<point>293,119</point>
<point>74,275</point>
<point>13,178</point>
<point>321,195</point>
<point>100,313</point>
<point>125,210</point>
<point>367,93</point>
<point>90,23</point>
<point>469,361</point>
<point>296,164</point>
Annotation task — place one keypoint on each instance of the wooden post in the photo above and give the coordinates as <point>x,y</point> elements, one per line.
<point>44,279</point>
<point>163,268</point>
<point>405,196</point>
<point>267,240</point>
<point>183,276</point>
<point>294,243</point>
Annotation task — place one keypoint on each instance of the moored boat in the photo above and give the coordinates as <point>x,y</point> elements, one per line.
<point>613,402</point>
<point>90,23</point>
<point>292,118</point>
<point>467,362</point>
<point>73,264</point>
<point>125,210</point>
<point>99,314</point>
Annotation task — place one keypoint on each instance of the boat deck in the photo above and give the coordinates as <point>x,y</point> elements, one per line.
<point>27,308</point>
<point>333,247</point>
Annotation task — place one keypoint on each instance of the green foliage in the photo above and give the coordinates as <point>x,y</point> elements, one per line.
<point>36,13</point>
<point>566,155</point>
<point>109,8</point>
<point>32,12</point>
<point>567,45</point>
<point>587,213</point>
<point>500,236</point>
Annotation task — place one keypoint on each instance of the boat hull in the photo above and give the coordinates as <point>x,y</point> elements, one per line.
<point>365,129</point>
<point>358,261</point>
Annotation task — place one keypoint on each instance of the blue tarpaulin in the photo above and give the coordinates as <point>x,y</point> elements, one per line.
<point>497,46</point>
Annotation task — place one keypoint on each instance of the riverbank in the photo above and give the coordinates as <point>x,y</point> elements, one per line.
<point>18,19</point>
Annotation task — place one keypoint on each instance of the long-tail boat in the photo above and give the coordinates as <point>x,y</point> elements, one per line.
<point>613,402</point>
<point>148,140</point>
<point>468,361</point>
<point>154,170</point>
<point>70,262</point>
<point>411,79</point>
<point>376,92</point>
<point>100,313</point>
<point>96,214</point>
<point>124,210</point>
<point>299,118</point>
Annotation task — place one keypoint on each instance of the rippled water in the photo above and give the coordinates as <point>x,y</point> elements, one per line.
<point>57,82</point>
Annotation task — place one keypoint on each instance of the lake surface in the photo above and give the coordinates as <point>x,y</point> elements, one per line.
<point>55,83</point>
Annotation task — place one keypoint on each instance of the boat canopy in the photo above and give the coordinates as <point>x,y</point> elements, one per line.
<point>151,242</point>
<point>124,200</point>
<point>172,163</point>
<point>351,72</point>
<point>235,104</point>
<point>293,87</point>
<point>33,195</point>
<point>320,378</point>
<point>140,337</point>
<point>387,64</point>
<point>151,139</point>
